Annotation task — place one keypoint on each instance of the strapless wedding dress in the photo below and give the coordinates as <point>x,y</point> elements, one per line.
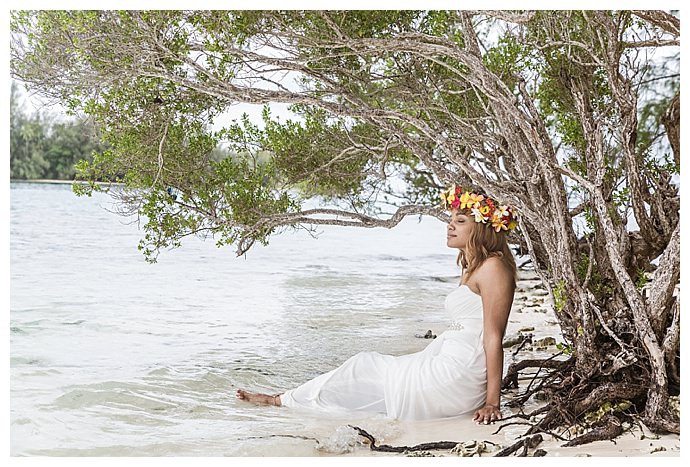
<point>446,379</point>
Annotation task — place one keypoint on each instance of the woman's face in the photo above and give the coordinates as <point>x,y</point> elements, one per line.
<point>459,229</point>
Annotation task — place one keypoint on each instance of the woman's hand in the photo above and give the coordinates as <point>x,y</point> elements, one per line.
<point>487,414</point>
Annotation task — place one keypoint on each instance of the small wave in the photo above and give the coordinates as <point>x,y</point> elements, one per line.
<point>392,258</point>
<point>74,323</point>
<point>15,361</point>
<point>345,439</point>
<point>22,421</point>
<point>438,279</point>
<point>261,371</point>
<point>319,267</point>
<point>342,441</point>
<point>119,398</point>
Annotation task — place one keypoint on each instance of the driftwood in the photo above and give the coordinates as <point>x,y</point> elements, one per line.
<point>419,447</point>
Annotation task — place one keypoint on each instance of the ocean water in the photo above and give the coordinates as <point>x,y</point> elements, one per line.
<point>112,356</point>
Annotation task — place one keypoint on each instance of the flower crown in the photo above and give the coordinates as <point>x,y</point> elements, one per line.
<point>484,209</point>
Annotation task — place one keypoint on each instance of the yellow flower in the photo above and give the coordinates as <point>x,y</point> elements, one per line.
<point>484,210</point>
<point>464,200</point>
<point>451,198</point>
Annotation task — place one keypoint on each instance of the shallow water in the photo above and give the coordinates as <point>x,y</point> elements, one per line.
<point>113,356</point>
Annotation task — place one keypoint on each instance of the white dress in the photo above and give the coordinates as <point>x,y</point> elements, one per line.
<point>446,379</point>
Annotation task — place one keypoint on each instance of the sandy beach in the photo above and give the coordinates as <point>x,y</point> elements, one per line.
<point>533,314</point>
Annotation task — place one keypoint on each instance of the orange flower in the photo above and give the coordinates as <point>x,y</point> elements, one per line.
<point>474,199</point>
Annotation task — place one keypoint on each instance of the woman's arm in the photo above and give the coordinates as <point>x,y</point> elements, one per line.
<point>497,288</point>
<point>493,350</point>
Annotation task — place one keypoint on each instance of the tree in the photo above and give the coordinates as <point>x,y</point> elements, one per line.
<point>27,141</point>
<point>68,144</point>
<point>564,114</point>
<point>41,147</point>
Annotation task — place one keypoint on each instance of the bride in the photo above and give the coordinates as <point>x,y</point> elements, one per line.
<point>458,372</point>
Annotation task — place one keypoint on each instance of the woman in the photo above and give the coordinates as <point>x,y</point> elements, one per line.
<point>461,370</point>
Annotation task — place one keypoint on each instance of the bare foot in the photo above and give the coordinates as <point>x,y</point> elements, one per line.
<point>256,398</point>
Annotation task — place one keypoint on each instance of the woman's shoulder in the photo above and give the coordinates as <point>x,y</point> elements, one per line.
<point>492,263</point>
<point>493,269</point>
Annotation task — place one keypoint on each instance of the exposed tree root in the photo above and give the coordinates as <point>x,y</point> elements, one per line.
<point>570,399</point>
<point>607,392</point>
<point>511,378</point>
<point>526,340</point>
<point>660,425</point>
<point>524,443</point>
<point>610,429</point>
<point>504,425</point>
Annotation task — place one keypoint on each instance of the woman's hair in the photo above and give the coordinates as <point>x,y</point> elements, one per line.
<point>484,242</point>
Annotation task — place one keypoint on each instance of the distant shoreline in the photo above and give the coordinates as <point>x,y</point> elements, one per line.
<point>59,182</point>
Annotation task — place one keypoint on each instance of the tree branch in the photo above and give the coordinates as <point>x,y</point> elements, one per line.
<point>665,280</point>
<point>661,19</point>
